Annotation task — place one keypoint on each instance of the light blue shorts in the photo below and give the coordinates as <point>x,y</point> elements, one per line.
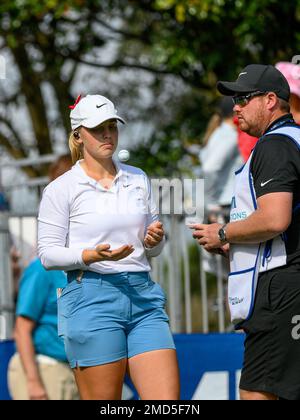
<point>107,317</point>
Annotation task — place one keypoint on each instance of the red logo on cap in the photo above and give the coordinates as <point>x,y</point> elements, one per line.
<point>76,102</point>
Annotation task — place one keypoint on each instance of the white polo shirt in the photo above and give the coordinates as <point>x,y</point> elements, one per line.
<point>77,213</point>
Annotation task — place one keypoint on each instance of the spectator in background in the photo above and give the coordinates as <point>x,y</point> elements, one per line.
<point>220,158</point>
<point>292,74</point>
<point>39,370</point>
<point>60,166</point>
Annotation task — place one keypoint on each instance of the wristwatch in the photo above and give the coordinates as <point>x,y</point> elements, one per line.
<point>222,234</point>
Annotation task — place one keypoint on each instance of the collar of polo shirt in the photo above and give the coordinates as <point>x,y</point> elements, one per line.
<point>85,179</point>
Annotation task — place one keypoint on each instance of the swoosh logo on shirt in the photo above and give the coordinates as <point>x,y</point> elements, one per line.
<point>244,72</point>
<point>265,183</point>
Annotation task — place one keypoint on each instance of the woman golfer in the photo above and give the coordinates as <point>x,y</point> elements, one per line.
<point>98,222</point>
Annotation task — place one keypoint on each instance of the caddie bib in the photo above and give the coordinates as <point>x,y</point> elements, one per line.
<point>248,260</point>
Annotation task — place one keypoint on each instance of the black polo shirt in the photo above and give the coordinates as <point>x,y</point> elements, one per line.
<point>275,167</point>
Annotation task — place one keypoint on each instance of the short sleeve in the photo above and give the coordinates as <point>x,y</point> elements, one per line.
<point>33,291</point>
<point>275,166</point>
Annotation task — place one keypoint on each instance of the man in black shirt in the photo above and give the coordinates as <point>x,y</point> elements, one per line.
<point>275,167</point>
<point>264,236</point>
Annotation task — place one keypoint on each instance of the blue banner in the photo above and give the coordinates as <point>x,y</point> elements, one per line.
<point>7,349</point>
<point>209,366</point>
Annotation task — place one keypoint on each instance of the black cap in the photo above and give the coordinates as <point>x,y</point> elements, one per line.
<point>257,77</point>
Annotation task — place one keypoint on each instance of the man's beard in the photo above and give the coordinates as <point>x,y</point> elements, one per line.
<point>256,129</point>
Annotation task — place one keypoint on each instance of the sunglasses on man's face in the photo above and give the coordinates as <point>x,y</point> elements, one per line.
<point>243,100</point>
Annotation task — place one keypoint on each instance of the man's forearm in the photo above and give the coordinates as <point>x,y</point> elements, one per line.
<point>27,354</point>
<point>258,227</point>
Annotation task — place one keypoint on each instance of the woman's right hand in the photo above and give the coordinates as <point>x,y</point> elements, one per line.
<point>102,252</point>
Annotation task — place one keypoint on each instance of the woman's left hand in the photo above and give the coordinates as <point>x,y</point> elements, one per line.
<point>154,234</point>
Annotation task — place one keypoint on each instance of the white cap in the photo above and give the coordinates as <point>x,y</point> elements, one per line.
<point>91,111</point>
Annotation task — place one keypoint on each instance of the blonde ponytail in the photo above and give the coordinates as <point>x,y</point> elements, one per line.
<point>75,148</point>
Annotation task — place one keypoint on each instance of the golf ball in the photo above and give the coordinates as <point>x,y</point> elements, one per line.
<point>123,155</point>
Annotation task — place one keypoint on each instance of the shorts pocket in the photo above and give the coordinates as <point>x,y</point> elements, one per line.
<point>158,292</point>
<point>241,293</point>
<point>162,292</point>
<point>68,299</point>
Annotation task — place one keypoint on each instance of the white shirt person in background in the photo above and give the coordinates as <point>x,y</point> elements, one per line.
<point>99,223</point>
<point>220,158</point>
